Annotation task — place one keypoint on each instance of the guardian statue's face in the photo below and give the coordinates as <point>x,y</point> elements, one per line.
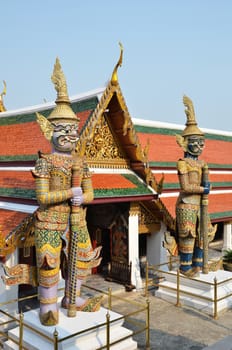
<point>195,144</point>
<point>65,136</point>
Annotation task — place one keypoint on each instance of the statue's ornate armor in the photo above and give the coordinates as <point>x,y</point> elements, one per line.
<point>188,204</point>
<point>53,175</point>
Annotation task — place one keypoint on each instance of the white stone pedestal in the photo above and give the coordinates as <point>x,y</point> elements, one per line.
<point>91,340</point>
<point>196,287</point>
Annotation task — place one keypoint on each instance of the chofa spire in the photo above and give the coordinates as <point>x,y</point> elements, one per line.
<point>114,77</point>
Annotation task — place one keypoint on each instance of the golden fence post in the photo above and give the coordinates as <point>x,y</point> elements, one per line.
<point>148,326</point>
<point>108,331</point>
<point>215,299</point>
<point>170,262</point>
<point>21,331</point>
<point>55,336</point>
<point>110,298</point>
<point>178,288</point>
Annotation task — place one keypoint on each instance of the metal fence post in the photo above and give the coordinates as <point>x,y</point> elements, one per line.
<point>146,280</point>
<point>108,331</point>
<point>110,298</point>
<point>148,326</point>
<point>178,288</point>
<point>21,331</point>
<point>55,336</point>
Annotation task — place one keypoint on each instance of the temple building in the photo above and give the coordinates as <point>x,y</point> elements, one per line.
<point>133,165</point>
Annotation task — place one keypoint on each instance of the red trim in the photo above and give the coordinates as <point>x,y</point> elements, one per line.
<point>124,199</point>
<point>95,201</point>
<point>18,200</point>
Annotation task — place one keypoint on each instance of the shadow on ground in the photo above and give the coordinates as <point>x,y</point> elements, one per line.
<point>163,341</point>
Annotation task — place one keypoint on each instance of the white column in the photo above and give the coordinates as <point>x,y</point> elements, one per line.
<point>133,245</point>
<point>227,239</point>
<point>156,253</point>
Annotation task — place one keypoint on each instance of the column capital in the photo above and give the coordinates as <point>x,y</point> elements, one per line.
<point>134,209</point>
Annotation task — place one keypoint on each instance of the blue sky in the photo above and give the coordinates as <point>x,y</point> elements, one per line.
<point>171,48</point>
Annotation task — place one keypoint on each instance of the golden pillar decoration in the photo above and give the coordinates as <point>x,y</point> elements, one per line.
<point>2,107</point>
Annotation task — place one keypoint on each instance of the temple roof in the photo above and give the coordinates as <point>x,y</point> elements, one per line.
<point>107,140</point>
<point>130,159</point>
<point>20,184</point>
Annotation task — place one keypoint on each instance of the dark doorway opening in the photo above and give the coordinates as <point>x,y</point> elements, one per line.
<point>101,220</point>
<point>26,290</point>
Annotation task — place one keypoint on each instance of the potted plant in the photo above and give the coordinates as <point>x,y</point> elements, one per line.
<point>227,260</point>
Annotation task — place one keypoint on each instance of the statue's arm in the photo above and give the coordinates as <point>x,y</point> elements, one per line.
<point>87,186</point>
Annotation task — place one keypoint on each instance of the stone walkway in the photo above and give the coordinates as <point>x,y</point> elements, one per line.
<point>182,328</point>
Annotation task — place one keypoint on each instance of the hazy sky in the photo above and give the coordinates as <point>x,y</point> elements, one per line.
<point>171,48</point>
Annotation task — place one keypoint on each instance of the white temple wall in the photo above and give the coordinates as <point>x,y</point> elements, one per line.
<point>227,236</point>
<point>133,245</point>
<point>156,253</point>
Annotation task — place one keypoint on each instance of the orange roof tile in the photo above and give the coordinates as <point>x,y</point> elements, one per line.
<point>83,118</point>
<point>109,181</point>
<point>220,205</point>
<point>216,180</point>
<point>163,148</point>
<point>17,179</point>
<point>22,139</point>
<point>9,220</point>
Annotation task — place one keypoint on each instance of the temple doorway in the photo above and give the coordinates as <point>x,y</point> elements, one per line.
<point>107,225</point>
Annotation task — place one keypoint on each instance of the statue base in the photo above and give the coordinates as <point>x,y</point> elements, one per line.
<point>41,337</point>
<point>196,289</point>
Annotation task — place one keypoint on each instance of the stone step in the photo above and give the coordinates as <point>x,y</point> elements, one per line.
<point>193,291</point>
<point>90,340</point>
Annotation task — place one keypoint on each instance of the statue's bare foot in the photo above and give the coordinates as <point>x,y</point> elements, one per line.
<point>197,270</point>
<point>189,273</point>
<point>50,318</point>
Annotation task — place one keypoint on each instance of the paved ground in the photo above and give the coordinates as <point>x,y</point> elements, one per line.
<point>176,328</point>
<point>171,327</point>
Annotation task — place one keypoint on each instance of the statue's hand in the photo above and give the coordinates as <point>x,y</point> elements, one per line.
<point>77,201</point>
<point>77,191</point>
<point>206,186</point>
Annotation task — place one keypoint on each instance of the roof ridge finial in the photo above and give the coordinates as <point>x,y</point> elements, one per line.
<point>2,107</point>
<point>114,78</point>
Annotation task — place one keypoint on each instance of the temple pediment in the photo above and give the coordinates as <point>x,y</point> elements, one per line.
<point>103,149</point>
